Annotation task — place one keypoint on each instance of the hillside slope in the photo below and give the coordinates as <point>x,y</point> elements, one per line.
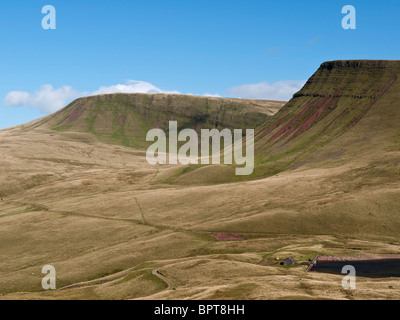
<point>125,119</point>
<point>344,107</point>
<point>328,183</point>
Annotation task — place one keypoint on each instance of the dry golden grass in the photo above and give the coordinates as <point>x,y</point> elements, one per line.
<point>97,213</point>
<point>106,219</point>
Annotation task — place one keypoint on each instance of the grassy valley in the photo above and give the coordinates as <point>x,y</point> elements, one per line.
<point>78,193</point>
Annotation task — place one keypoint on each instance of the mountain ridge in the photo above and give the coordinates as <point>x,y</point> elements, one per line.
<point>338,97</point>
<point>107,220</point>
<point>125,118</point>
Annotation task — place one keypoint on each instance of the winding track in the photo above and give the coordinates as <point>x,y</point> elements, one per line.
<point>168,282</point>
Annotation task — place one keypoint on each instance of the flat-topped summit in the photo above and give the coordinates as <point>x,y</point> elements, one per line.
<point>343,100</point>
<point>125,118</point>
<point>360,63</point>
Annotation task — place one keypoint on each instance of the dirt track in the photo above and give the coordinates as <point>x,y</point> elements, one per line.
<point>168,282</point>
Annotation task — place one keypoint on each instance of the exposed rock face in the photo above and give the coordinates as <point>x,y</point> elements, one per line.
<point>357,64</point>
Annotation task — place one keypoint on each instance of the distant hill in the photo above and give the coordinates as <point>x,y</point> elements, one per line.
<point>77,193</point>
<point>125,119</point>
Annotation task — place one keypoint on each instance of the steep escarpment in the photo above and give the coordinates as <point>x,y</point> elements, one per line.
<point>107,220</point>
<point>125,118</point>
<point>347,111</point>
<point>337,104</point>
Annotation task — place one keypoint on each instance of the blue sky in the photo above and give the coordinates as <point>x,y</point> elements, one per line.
<point>254,49</point>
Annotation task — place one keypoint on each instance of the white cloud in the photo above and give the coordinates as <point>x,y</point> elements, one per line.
<point>49,99</point>
<point>280,90</point>
<point>132,86</point>
<point>17,98</point>
<point>213,95</point>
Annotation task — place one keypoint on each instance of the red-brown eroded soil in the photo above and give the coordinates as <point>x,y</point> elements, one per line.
<point>220,236</point>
